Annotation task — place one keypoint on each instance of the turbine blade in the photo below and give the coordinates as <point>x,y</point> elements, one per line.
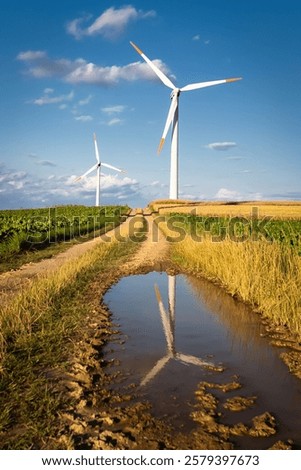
<point>155,370</point>
<point>112,167</point>
<point>195,86</point>
<point>165,321</point>
<point>94,167</point>
<point>170,116</point>
<point>157,71</point>
<point>188,359</point>
<point>96,149</point>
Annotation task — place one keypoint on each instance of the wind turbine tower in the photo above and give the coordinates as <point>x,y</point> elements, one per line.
<point>97,167</point>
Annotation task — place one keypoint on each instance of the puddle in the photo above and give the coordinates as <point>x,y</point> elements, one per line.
<point>179,331</point>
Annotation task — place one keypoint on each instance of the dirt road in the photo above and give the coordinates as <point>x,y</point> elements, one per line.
<point>151,252</point>
<point>102,417</point>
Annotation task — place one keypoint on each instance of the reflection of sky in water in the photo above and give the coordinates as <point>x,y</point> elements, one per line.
<point>189,316</point>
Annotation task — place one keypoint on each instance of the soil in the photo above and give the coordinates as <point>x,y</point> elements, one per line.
<point>99,417</point>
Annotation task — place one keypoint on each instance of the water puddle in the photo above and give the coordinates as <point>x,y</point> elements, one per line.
<point>179,331</point>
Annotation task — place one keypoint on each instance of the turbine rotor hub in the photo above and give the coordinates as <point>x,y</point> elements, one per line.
<point>175,92</point>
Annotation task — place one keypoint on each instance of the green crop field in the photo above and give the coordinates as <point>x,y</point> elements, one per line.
<point>35,229</point>
<point>237,229</point>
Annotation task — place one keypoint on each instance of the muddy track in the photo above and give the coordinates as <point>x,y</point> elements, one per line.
<point>96,415</point>
<point>101,417</point>
<point>92,415</point>
<point>104,415</point>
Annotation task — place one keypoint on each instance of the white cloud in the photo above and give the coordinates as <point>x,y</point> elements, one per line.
<point>232,195</point>
<point>12,174</point>
<point>111,23</point>
<point>111,185</point>
<point>158,185</point>
<point>41,66</point>
<point>84,118</point>
<point>45,163</point>
<point>11,181</point>
<point>39,161</point>
<point>114,121</point>
<point>85,101</point>
<point>47,99</point>
<point>221,146</point>
<point>16,184</point>
<point>74,28</point>
<point>21,189</point>
<point>228,194</point>
<point>80,71</point>
<point>31,55</point>
<point>183,195</point>
<point>113,109</point>
<point>92,74</point>
<point>256,196</point>
<point>197,37</point>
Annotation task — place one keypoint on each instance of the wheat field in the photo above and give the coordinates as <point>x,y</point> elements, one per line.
<point>263,273</point>
<point>281,210</point>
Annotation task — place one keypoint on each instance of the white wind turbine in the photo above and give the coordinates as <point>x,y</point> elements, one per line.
<point>173,116</point>
<point>97,167</point>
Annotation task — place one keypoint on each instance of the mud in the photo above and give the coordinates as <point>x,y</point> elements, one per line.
<point>208,416</point>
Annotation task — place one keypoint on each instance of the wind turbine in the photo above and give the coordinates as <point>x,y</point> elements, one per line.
<point>97,167</point>
<point>173,117</point>
<point>168,322</point>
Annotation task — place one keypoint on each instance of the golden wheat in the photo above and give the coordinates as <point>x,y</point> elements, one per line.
<point>277,209</point>
<point>265,275</point>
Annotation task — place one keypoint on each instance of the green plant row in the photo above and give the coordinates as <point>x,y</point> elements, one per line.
<point>239,229</point>
<point>32,229</point>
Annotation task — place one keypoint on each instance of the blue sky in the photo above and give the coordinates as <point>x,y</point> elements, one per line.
<point>68,70</point>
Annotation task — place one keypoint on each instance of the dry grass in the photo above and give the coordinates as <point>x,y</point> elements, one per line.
<point>268,276</point>
<point>276,209</point>
<point>19,316</point>
<point>265,275</point>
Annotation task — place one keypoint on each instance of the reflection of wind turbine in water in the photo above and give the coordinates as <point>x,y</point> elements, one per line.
<point>168,323</point>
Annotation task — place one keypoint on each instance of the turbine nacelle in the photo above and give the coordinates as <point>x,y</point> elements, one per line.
<point>175,92</point>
